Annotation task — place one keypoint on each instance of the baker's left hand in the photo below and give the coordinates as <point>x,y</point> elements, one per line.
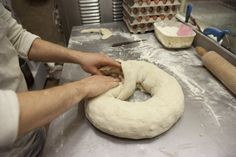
<point>91,62</point>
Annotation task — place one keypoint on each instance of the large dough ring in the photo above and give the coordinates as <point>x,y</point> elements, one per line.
<point>137,120</point>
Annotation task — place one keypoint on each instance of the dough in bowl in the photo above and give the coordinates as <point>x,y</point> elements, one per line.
<point>111,114</point>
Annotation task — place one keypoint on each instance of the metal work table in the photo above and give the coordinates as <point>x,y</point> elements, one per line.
<point>207,128</point>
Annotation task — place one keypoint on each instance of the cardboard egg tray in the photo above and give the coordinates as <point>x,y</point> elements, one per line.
<point>148,18</point>
<point>148,3</point>
<point>148,11</point>
<point>139,28</point>
<point>139,15</point>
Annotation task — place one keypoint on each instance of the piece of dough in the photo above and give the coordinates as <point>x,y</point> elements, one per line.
<point>106,33</point>
<point>110,112</point>
<point>111,71</point>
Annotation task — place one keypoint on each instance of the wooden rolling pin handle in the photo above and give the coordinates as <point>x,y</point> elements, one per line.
<point>219,67</point>
<point>201,51</point>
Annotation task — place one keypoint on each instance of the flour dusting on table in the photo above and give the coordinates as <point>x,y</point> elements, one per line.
<point>183,65</point>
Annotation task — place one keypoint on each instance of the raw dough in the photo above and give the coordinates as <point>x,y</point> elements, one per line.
<point>106,33</point>
<point>111,71</point>
<point>110,112</point>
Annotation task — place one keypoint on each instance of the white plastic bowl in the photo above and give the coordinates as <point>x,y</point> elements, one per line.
<point>171,39</point>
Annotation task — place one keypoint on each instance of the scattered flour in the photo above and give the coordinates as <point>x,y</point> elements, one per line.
<point>183,64</point>
<point>87,37</point>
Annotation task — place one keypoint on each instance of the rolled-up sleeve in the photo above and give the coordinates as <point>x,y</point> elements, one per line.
<point>19,37</point>
<point>9,117</point>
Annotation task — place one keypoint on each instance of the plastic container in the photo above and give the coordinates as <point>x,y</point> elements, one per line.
<point>173,34</point>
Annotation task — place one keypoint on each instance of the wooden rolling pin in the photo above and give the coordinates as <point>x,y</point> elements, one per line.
<point>219,67</point>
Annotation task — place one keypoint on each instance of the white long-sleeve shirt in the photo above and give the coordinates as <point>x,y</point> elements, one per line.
<point>14,41</point>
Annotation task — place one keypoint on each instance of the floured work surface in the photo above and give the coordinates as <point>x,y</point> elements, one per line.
<point>207,127</point>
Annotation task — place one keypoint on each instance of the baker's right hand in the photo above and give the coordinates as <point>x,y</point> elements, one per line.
<point>97,84</point>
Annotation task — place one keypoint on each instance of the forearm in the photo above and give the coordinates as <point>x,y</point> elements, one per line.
<point>48,52</point>
<point>44,51</point>
<point>40,107</point>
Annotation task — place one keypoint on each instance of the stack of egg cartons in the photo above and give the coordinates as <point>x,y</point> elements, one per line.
<point>139,15</point>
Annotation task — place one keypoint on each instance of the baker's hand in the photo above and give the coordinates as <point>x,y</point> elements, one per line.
<point>91,62</point>
<point>97,84</point>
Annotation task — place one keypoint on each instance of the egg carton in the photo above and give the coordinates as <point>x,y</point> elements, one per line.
<point>148,3</point>
<point>148,11</point>
<point>148,19</point>
<point>138,28</point>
